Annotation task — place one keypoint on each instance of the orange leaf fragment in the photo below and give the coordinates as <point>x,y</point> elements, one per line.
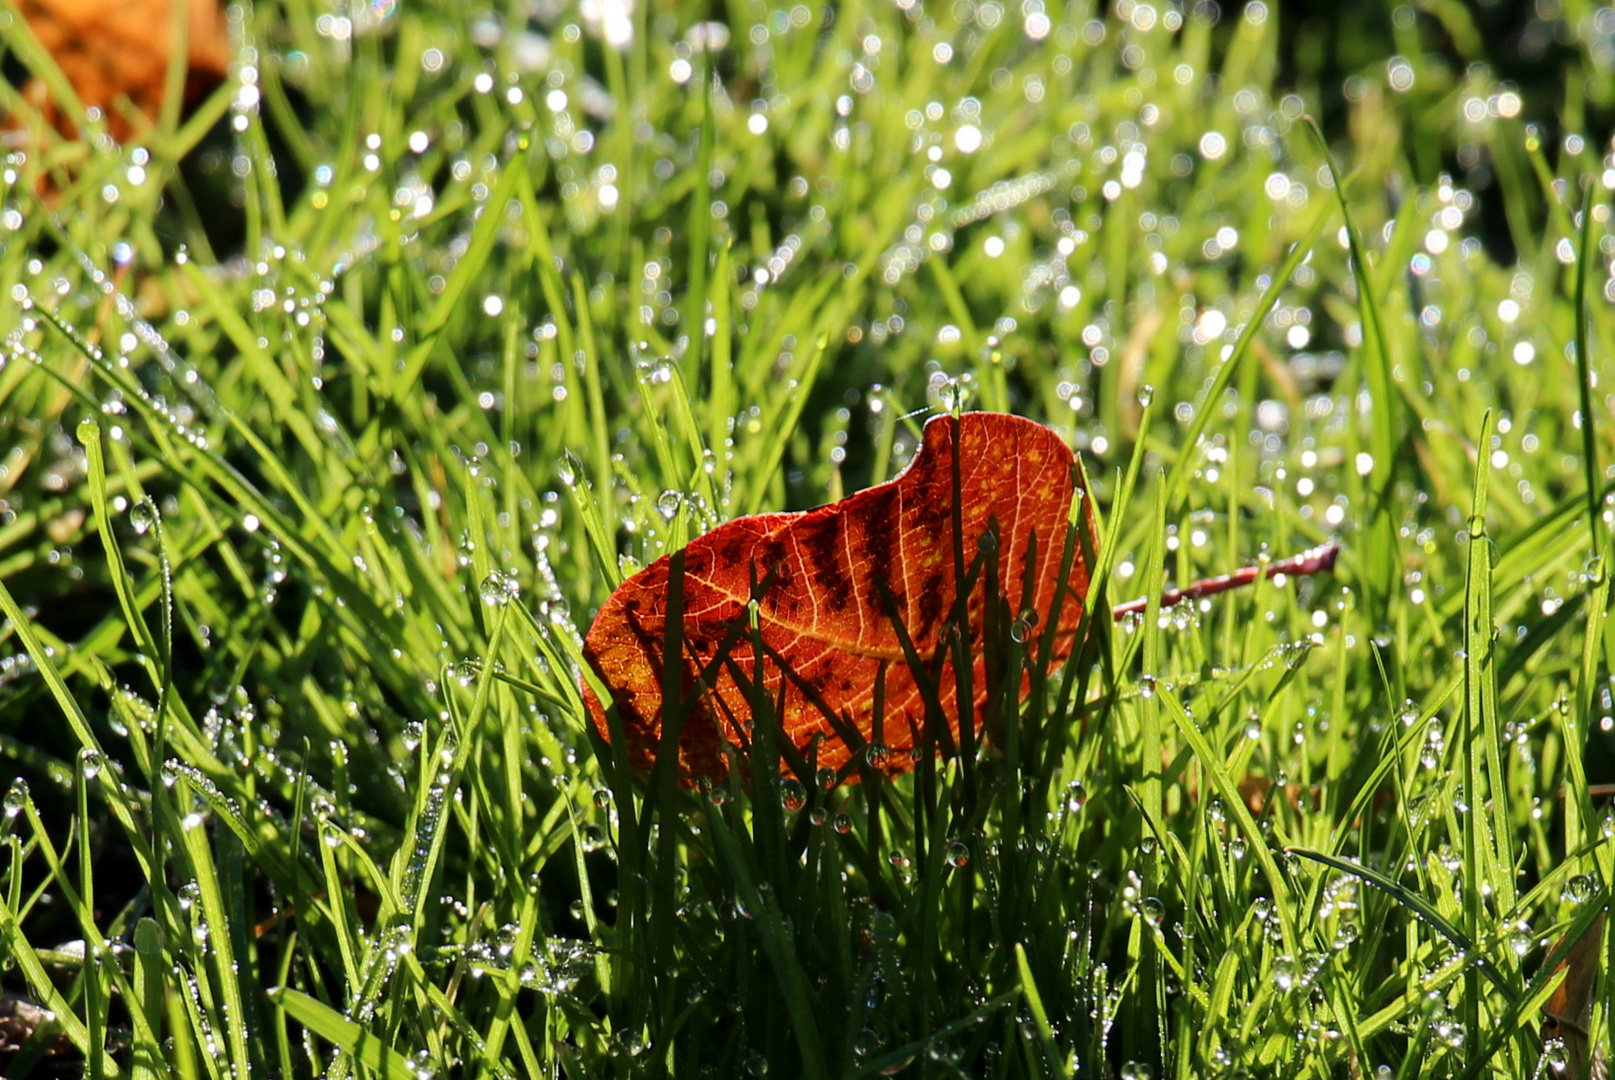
<point>111,49</point>
<point>823,622</point>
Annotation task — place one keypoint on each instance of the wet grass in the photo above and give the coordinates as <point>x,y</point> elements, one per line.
<point>317,462</point>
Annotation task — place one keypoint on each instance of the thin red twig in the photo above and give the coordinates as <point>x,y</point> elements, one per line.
<point>1314,561</point>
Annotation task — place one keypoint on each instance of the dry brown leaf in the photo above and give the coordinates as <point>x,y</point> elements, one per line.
<point>1569,1011</point>
<point>113,49</point>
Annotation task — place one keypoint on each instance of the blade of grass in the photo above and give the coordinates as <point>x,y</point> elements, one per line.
<point>331,1026</point>
<point>1234,803</point>
<point>1598,532</point>
<point>1040,1016</point>
<point>1383,392</point>
<point>1423,909</point>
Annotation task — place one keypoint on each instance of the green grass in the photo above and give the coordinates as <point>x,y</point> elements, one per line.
<point>309,491</point>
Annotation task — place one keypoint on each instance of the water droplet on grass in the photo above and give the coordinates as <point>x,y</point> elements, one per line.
<point>1520,938</point>
<point>1578,890</point>
<point>143,515</point>
<point>499,588</point>
<point>16,797</point>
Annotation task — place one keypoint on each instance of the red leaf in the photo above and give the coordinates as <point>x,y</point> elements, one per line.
<point>822,613</point>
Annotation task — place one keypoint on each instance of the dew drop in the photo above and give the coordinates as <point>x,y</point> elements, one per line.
<point>143,515</point>
<point>1520,938</point>
<point>16,797</point>
<point>1076,796</point>
<point>499,589</point>
<point>1578,890</point>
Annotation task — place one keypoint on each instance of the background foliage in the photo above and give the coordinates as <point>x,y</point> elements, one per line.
<point>331,413</point>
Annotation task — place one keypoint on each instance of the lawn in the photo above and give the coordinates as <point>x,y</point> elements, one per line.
<point>331,412</point>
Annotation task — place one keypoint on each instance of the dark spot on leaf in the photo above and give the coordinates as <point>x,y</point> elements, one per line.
<point>932,601</point>
<point>820,545</point>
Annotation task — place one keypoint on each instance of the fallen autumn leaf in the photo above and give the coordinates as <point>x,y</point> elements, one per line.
<point>825,628</point>
<point>112,49</point>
